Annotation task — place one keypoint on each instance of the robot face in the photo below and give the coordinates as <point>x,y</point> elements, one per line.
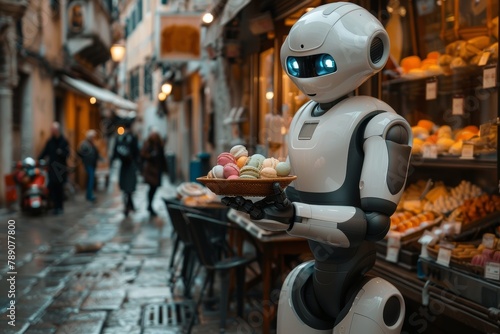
<point>333,49</point>
<point>311,66</point>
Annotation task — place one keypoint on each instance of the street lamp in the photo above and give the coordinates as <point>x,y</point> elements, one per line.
<point>166,88</point>
<point>117,52</point>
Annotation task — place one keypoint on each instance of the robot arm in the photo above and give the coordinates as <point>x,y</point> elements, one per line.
<point>341,226</point>
<point>387,149</point>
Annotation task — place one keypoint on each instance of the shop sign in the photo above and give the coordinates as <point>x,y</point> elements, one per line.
<point>178,37</point>
<point>76,17</point>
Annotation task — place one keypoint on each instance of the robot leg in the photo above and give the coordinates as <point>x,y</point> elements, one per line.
<point>293,314</point>
<point>378,308</point>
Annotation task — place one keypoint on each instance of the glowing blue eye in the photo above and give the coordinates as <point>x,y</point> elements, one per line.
<point>325,65</point>
<point>293,66</point>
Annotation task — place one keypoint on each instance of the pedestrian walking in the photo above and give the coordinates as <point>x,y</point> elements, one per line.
<point>127,151</point>
<point>57,151</point>
<point>88,152</point>
<point>154,164</point>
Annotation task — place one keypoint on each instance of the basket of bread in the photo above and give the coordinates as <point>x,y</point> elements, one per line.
<point>239,174</point>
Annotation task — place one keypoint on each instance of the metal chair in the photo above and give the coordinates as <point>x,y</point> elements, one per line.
<point>182,238</point>
<point>201,228</point>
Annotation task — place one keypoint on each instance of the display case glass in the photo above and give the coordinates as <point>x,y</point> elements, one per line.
<point>446,86</point>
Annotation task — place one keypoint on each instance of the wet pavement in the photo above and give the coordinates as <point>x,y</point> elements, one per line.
<point>92,270</point>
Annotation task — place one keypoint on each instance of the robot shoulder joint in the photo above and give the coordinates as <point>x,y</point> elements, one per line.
<point>390,126</point>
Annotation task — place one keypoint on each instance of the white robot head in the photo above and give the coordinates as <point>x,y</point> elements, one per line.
<point>333,49</point>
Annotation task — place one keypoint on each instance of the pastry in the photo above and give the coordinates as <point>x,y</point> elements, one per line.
<point>444,144</point>
<point>256,161</point>
<point>225,158</point>
<point>231,169</point>
<point>268,173</point>
<point>249,172</point>
<point>444,131</point>
<point>241,161</point>
<point>239,151</point>
<point>427,124</point>
<point>283,168</point>
<point>270,162</point>
<point>217,172</point>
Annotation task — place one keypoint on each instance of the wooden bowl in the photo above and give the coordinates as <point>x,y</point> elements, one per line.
<point>245,187</point>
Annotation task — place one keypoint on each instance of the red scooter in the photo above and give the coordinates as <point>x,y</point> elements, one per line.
<point>31,176</point>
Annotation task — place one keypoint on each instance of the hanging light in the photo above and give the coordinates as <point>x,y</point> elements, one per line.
<point>166,88</point>
<point>207,18</point>
<point>93,100</point>
<point>117,52</point>
<point>162,96</point>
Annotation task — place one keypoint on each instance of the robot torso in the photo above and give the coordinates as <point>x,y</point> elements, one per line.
<point>326,151</point>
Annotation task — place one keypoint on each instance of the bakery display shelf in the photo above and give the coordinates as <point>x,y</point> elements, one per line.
<point>464,78</point>
<point>480,162</point>
<point>412,234</point>
<point>462,282</point>
<point>455,306</point>
<point>476,228</point>
<point>407,257</point>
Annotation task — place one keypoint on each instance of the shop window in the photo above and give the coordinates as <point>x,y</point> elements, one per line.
<point>148,81</point>
<point>134,84</point>
<point>139,11</point>
<point>271,133</point>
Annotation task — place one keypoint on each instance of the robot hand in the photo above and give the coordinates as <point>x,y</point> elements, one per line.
<point>273,208</point>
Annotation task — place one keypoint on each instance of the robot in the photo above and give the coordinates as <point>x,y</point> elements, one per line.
<point>351,157</point>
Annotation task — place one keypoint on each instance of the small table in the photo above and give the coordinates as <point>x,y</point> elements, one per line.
<point>273,245</point>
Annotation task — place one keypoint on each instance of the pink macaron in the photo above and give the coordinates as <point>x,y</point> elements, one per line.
<point>224,158</point>
<point>231,169</point>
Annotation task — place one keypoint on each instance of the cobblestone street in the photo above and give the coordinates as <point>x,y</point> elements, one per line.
<point>91,270</point>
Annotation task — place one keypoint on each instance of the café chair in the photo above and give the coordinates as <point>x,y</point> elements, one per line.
<point>182,238</point>
<point>201,229</point>
<point>174,236</point>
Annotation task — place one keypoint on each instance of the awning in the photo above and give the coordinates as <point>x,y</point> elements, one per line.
<point>232,8</point>
<point>214,30</point>
<point>101,94</point>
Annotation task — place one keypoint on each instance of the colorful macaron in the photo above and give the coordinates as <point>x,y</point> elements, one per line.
<point>225,158</point>
<point>217,172</point>
<point>231,169</point>
<point>249,172</point>
<point>268,173</point>
<point>270,162</point>
<point>255,160</point>
<point>239,151</point>
<point>283,168</point>
<point>241,161</point>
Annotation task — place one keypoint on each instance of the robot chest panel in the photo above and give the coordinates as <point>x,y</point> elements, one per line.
<point>319,149</point>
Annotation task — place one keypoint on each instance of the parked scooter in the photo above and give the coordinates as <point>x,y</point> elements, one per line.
<point>31,176</point>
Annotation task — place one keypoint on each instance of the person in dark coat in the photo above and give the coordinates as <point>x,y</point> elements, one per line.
<point>154,164</point>
<point>126,149</point>
<point>89,154</point>
<point>57,151</point>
